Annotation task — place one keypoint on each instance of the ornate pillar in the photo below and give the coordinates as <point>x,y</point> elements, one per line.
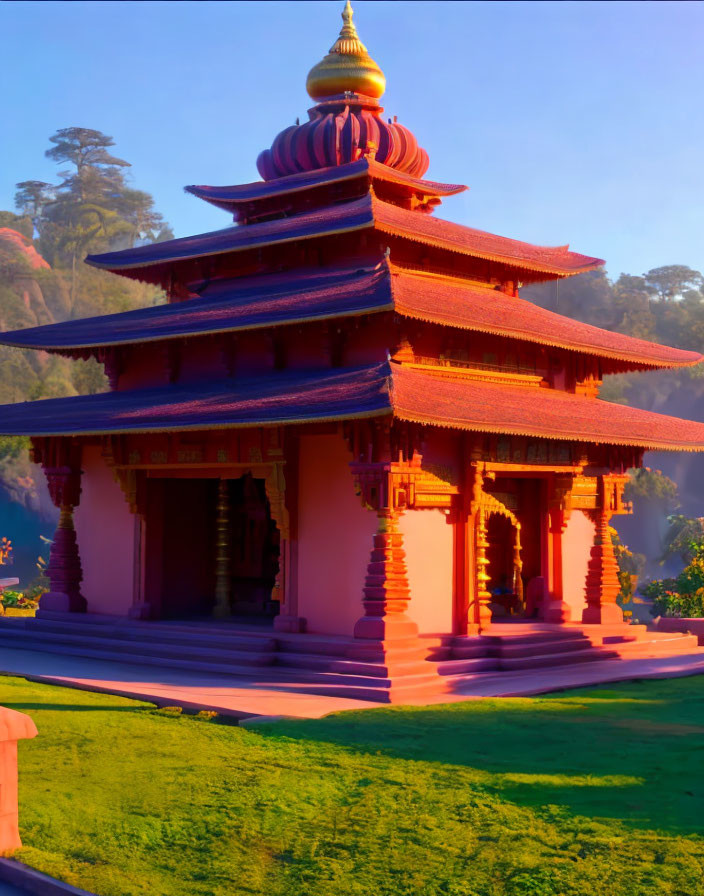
<point>386,592</point>
<point>603,586</point>
<point>482,614</point>
<point>64,569</point>
<point>222,552</point>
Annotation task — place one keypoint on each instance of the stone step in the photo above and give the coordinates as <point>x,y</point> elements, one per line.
<point>113,645</point>
<point>542,646</point>
<point>468,651</point>
<point>135,632</point>
<point>589,655</point>
<point>468,666</point>
<point>312,681</point>
<point>140,659</point>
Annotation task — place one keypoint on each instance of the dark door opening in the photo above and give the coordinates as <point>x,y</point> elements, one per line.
<point>254,549</point>
<point>182,552</point>
<point>187,547</point>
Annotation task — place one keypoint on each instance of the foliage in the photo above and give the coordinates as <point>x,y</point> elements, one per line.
<point>651,485</point>
<point>682,537</point>
<point>630,567</point>
<point>21,223</point>
<point>682,596</point>
<point>92,208</point>
<point>664,305</point>
<point>582,792</point>
<point>5,550</point>
<point>17,599</point>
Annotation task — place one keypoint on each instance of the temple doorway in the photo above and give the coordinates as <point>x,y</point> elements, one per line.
<point>181,546</point>
<point>253,549</point>
<point>211,542</point>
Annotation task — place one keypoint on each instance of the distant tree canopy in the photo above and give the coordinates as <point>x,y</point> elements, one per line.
<point>665,304</point>
<point>91,208</point>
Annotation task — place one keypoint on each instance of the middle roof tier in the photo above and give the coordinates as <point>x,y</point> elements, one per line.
<point>312,295</point>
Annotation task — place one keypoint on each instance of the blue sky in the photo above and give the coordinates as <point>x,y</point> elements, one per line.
<point>572,122</point>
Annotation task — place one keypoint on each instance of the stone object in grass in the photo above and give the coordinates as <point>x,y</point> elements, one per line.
<point>14,726</point>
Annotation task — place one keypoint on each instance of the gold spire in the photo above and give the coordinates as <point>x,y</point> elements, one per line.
<point>347,67</point>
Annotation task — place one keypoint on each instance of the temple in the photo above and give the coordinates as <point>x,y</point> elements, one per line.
<point>346,443</point>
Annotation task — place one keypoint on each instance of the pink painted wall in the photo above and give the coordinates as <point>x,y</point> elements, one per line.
<point>577,541</point>
<point>335,537</point>
<point>105,532</point>
<point>428,540</point>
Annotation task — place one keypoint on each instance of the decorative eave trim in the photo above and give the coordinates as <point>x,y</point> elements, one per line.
<point>535,433</point>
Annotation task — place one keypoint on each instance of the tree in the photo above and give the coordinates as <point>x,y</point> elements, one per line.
<point>673,280</point>
<point>21,223</point>
<point>87,151</point>
<point>31,198</point>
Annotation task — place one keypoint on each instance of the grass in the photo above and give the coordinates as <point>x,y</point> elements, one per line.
<point>593,791</point>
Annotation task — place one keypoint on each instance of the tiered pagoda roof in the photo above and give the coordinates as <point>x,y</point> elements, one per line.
<point>342,227</point>
<point>272,300</point>
<point>377,390</point>
<point>150,262</point>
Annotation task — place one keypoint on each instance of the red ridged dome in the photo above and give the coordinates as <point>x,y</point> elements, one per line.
<point>340,131</point>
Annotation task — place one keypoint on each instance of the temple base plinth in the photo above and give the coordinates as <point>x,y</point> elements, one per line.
<point>286,623</point>
<point>556,611</point>
<point>141,611</point>
<point>605,614</point>
<point>60,602</point>
<point>385,628</point>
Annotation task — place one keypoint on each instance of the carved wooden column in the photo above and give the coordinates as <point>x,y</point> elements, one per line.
<point>285,512</point>
<point>64,569</point>
<point>603,586</point>
<point>222,552</point>
<point>556,609</point>
<point>483,595</point>
<point>478,610</point>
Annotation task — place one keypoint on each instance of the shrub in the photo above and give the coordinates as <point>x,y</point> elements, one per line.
<point>683,596</point>
<point>17,599</point>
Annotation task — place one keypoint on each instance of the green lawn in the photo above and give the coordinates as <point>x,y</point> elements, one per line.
<point>595,791</point>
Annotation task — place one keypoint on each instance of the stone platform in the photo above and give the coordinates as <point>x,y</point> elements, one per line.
<point>251,658</point>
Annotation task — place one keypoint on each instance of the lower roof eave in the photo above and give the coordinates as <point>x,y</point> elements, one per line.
<point>580,438</point>
<point>250,424</point>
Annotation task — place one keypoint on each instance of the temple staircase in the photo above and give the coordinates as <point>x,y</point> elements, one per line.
<point>335,665</point>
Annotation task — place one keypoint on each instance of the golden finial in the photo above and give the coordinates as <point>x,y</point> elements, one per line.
<point>347,67</point>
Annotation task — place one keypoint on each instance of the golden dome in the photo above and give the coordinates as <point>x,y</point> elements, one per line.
<point>347,67</point>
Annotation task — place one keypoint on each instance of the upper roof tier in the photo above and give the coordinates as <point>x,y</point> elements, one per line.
<point>151,263</point>
<point>246,202</point>
<point>346,124</point>
<point>275,300</point>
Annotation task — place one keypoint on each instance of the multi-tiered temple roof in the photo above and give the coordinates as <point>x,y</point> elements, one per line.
<point>341,234</point>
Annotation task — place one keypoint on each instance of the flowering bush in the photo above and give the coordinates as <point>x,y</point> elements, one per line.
<point>683,596</point>
<point>630,566</point>
<point>17,599</point>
